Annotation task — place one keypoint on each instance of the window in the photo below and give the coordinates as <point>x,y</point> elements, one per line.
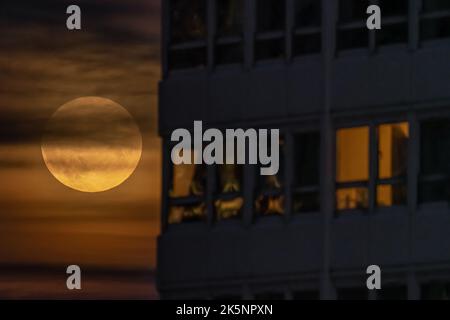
<point>229,48</point>
<point>270,198</point>
<point>229,201</point>
<point>394,22</point>
<point>352,30</point>
<point>270,29</point>
<point>352,168</point>
<point>357,294</point>
<point>435,161</point>
<point>392,164</point>
<point>435,19</point>
<point>393,292</point>
<point>435,291</point>
<point>306,172</point>
<point>187,47</point>
<point>187,191</point>
<point>307,34</point>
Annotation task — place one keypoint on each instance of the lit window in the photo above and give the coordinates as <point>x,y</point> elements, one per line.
<point>271,21</point>
<point>394,22</point>
<point>352,168</point>
<point>435,161</point>
<point>392,164</point>
<point>229,201</point>
<point>187,191</point>
<point>306,172</point>
<point>307,35</point>
<point>229,48</point>
<point>435,19</point>
<point>188,34</point>
<point>352,29</point>
<point>270,198</point>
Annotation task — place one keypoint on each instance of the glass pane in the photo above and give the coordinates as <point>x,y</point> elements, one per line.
<point>187,213</point>
<point>435,147</point>
<point>270,15</point>
<point>188,180</point>
<point>353,294</point>
<point>229,17</point>
<point>187,58</point>
<point>435,28</point>
<point>391,195</point>
<point>269,49</point>
<point>188,20</point>
<point>435,5</point>
<point>352,198</point>
<point>352,154</point>
<point>434,191</point>
<point>390,8</point>
<point>353,38</point>
<point>393,293</point>
<point>392,150</point>
<point>229,178</point>
<point>306,159</point>
<point>228,209</point>
<point>392,33</point>
<point>306,202</point>
<point>353,10</point>
<point>269,205</point>
<point>308,13</point>
<point>229,54</point>
<point>307,44</point>
<point>436,291</point>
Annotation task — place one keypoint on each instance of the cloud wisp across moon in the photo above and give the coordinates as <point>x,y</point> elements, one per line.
<point>91,144</point>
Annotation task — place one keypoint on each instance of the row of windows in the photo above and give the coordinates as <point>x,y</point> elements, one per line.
<point>189,28</point>
<point>437,290</point>
<point>365,157</point>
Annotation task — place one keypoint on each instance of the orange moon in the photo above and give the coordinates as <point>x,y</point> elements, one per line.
<point>91,144</point>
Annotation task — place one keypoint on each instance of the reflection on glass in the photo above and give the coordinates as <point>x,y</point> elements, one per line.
<point>188,180</point>
<point>187,213</point>
<point>229,17</point>
<point>352,198</point>
<point>229,182</point>
<point>352,154</point>
<point>392,150</point>
<point>391,195</point>
<point>270,205</point>
<point>188,20</point>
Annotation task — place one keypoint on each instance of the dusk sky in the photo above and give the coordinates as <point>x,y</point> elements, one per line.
<point>44,225</point>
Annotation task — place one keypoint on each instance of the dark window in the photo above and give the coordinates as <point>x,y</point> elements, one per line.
<point>354,294</point>
<point>435,291</point>
<point>229,200</point>
<point>435,19</point>
<point>305,295</point>
<point>352,30</point>
<point>306,172</point>
<point>352,168</point>
<point>392,164</point>
<point>393,293</point>
<point>435,161</point>
<point>394,22</point>
<point>307,32</point>
<point>270,197</point>
<point>229,48</point>
<point>269,296</point>
<point>187,193</point>
<point>187,47</point>
<point>270,27</point>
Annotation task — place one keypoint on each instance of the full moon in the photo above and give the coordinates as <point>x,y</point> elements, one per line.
<point>91,144</point>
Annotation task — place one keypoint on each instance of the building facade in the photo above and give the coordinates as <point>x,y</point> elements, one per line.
<point>365,124</point>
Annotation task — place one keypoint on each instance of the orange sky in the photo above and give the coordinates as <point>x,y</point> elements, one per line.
<point>44,224</point>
